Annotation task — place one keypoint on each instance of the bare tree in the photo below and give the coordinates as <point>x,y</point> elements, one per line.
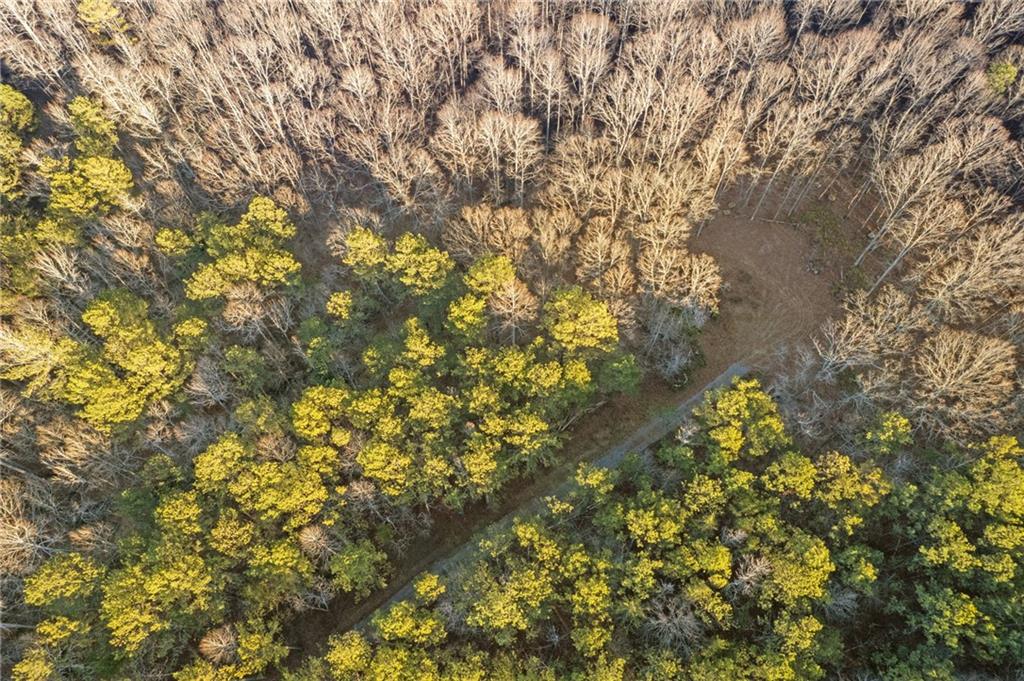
<point>826,16</point>
<point>964,383</point>
<point>994,23</point>
<point>925,224</point>
<point>586,45</point>
<point>482,229</point>
<point>966,148</point>
<point>870,330</point>
<point>978,275</point>
<point>515,308</point>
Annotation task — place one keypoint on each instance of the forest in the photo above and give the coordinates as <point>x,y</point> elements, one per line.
<point>453,340</point>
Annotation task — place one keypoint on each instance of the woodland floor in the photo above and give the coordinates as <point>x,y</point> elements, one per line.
<point>780,283</point>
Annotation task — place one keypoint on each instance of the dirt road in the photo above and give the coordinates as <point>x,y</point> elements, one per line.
<point>659,426</point>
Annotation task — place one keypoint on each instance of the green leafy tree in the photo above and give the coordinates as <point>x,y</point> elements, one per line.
<point>742,421</point>
<point>275,572</point>
<point>134,367</point>
<point>102,18</point>
<point>958,538</point>
<point>359,568</point>
<point>348,655</point>
<point>420,267</point>
<point>17,114</point>
<point>289,493</point>
<point>95,133</point>
<point>1001,75</point>
<point>87,187</point>
<point>578,322</point>
<point>17,119</point>
<point>252,250</point>
<point>365,254</point>
<point>407,622</point>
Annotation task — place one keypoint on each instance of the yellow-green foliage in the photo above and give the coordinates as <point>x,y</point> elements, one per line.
<point>132,368</point>
<point>419,266</point>
<point>348,654</point>
<point>173,242</point>
<point>67,577</point>
<point>34,666</point>
<point>365,252</point>
<point>727,564</point>
<point>101,17</point>
<point>1001,76</point>
<point>313,413</point>
<point>578,322</point>
<point>427,379</point>
<point>406,622</point>
<point>95,133</point>
<point>250,251</point>
<point>257,649</point>
<point>10,165</point>
<point>892,432</point>
<point>17,115</point>
<point>743,421</point>
<point>87,187</point>
<point>488,274</point>
<point>83,187</point>
<point>17,118</point>
<point>359,568</point>
<point>290,493</point>
<point>428,588</point>
<point>138,599</point>
<point>274,572</point>
<point>339,305</point>
<point>93,183</point>
<point>467,316</point>
<point>426,411</point>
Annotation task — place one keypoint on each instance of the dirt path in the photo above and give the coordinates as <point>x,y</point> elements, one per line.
<point>770,298</point>
<point>657,427</point>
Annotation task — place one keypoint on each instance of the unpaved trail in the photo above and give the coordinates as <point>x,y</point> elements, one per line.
<point>656,428</point>
<point>770,298</point>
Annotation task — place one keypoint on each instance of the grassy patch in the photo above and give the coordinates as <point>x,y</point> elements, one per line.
<point>826,226</point>
<point>838,244</point>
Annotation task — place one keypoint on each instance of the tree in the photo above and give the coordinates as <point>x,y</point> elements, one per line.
<point>586,46</point>
<point>16,112</point>
<point>963,560</point>
<point>359,568</point>
<point>964,383</point>
<point>966,283</point>
<point>87,187</point>
<point>1000,76</point>
<point>250,251</point>
<point>565,155</point>
<point>349,654</point>
<point>742,421</point>
<point>134,367</point>
<point>95,134</point>
<point>418,266</point>
<point>17,118</point>
<point>923,225</point>
<point>577,322</point>
<point>101,17</point>
<point>291,493</point>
